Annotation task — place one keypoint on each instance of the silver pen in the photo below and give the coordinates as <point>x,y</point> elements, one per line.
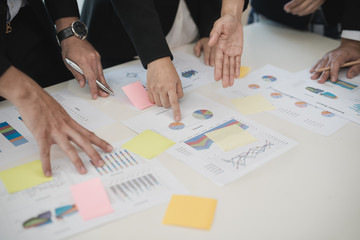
<point>78,69</point>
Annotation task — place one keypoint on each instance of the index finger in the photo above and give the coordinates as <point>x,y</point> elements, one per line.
<point>175,106</point>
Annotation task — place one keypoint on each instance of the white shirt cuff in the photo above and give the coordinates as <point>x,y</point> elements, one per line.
<point>351,34</point>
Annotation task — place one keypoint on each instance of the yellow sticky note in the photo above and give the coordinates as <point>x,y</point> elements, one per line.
<point>24,176</point>
<point>231,137</point>
<point>189,211</point>
<point>148,144</point>
<point>243,71</point>
<point>252,104</point>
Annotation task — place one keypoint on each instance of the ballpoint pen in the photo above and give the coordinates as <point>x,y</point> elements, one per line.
<point>98,83</point>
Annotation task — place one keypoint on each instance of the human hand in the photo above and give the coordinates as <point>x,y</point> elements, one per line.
<point>88,59</point>
<point>164,85</point>
<point>302,7</point>
<point>209,52</point>
<point>48,121</point>
<point>227,34</point>
<point>349,50</point>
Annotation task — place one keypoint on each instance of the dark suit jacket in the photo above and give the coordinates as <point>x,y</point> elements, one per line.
<point>345,12</point>
<point>122,29</point>
<point>43,28</point>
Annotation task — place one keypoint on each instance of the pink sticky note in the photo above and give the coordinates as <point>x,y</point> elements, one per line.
<point>137,95</point>
<point>91,199</point>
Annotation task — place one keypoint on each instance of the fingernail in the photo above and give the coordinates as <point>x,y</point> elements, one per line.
<point>100,162</point>
<point>47,174</point>
<point>109,148</point>
<point>94,96</point>
<point>82,170</point>
<point>351,75</point>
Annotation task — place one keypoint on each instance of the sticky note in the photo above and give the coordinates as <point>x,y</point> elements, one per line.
<point>24,176</point>
<point>137,95</point>
<point>190,211</point>
<point>91,199</point>
<point>252,104</point>
<point>148,144</point>
<point>231,137</point>
<point>243,71</point>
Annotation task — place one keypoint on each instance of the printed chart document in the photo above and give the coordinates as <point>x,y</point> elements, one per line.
<point>264,80</point>
<point>201,116</point>
<point>48,210</point>
<point>192,72</point>
<point>16,141</point>
<point>341,98</point>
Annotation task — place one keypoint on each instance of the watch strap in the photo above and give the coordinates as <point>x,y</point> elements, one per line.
<point>65,33</point>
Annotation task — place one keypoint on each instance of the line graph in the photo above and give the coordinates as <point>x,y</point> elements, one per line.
<point>241,159</point>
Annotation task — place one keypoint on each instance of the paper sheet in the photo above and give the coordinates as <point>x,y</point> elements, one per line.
<point>190,211</point>
<point>91,199</point>
<point>252,104</point>
<point>148,144</point>
<point>231,137</point>
<point>48,211</point>
<point>200,116</point>
<point>263,81</point>
<point>23,177</point>
<point>137,95</point>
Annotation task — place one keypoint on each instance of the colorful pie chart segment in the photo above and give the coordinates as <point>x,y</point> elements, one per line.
<point>202,114</point>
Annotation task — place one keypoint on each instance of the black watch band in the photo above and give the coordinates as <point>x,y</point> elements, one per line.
<point>77,29</point>
<point>63,34</point>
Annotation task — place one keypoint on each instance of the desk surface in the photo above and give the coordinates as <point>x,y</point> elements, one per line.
<point>309,192</point>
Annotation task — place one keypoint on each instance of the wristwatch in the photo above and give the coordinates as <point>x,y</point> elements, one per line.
<point>77,29</point>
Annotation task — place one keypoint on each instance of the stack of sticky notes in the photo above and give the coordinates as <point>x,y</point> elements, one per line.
<point>91,199</point>
<point>148,144</point>
<point>137,95</point>
<point>24,176</point>
<point>252,104</point>
<point>190,211</point>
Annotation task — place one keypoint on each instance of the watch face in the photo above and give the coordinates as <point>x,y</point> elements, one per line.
<point>79,29</point>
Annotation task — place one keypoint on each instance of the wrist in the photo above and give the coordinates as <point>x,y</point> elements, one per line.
<point>18,88</point>
<point>233,9</point>
<point>70,27</point>
<point>159,62</point>
<point>350,43</point>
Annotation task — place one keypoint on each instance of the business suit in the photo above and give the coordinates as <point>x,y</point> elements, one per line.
<point>32,45</point>
<point>345,12</point>
<point>122,29</point>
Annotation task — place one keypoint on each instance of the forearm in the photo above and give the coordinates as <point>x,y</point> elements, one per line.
<point>17,87</point>
<point>233,8</point>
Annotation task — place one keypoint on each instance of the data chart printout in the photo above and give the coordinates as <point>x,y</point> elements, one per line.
<point>201,116</point>
<point>341,98</point>
<point>192,72</point>
<point>48,210</point>
<point>288,107</point>
<point>16,141</point>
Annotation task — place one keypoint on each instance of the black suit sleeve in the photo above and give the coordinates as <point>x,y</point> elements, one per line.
<point>351,17</point>
<point>142,23</point>
<point>62,8</point>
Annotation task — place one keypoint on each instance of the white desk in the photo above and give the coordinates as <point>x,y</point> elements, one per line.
<point>310,192</point>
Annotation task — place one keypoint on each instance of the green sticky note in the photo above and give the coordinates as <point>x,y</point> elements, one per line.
<point>231,137</point>
<point>24,176</point>
<point>190,211</point>
<point>252,104</point>
<point>148,144</point>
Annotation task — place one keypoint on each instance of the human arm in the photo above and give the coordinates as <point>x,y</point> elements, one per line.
<point>63,14</point>
<point>48,121</point>
<point>349,50</point>
<point>147,36</point>
<point>227,35</point>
